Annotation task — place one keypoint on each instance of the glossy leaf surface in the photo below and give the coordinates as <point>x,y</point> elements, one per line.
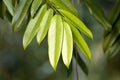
<point>35,5</point>
<point>55,37</point>
<point>77,23</point>
<point>33,26</point>
<point>67,48</point>
<point>80,42</point>
<point>44,26</point>
<point>64,4</point>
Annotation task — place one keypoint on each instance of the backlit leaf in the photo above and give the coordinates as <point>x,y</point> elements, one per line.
<point>20,13</point>
<point>77,23</point>
<point>80,42</point>
<point>33,26</point>
<point>67,48</point>
<point>8,3</point>
<point>44,26</point>
<point>64,4</point>
<point>35,6</point>
<point>55,36</point>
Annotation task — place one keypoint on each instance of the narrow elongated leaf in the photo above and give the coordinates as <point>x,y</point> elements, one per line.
<point>55,35</point>
<point>8,3</point>
<point>2,9</point>
<point>77,23</point>
<point>44,26</point>
<point>114,50</point>
<point>79,60</point>
<point>115,12</point>
<point>70,70</point>
<point>80,42</point>
<point>67,48</point>
<point>33,26</point>
<point>110,39</point>
<point>112,36</point>
<point>98,14</point>
<point>20,13</point>
<point>64,4</point>
<point>35,6</point>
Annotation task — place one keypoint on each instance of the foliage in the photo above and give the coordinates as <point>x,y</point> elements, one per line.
<point>60,20</point>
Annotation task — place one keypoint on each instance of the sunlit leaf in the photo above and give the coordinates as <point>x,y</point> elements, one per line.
<point>80,42</point>
<point>64,4</point>
<point>55,36</point>
<point>33,26</point>
<point>77,23</point>
<point>8,3</point>
<point>67,48</point>
<point>20,13</point>
<point>98,14</point>
<point>35,6</point>
<point>45,23</point>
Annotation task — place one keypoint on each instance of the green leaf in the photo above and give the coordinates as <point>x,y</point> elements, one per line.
<point>20,13</point>
<point>67,47</point>
<point>55,35</point>
<point>44,26</point>
<point>112,36</point>
<point>35,5</point>
<point>8,3</point>
<point>33,26</point>
<point>80,42</point>
<point>2,9</point>
<point>110,39</point>
<point>70,70</point>
<point>64,4</point>
<point>114,50</point>
<point>115,12</point>
<point>79,60</point>
<point>76,22</point>
<point>98,14</point>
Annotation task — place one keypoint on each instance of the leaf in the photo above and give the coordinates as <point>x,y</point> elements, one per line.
<point>55,35</point>
<point>76,22</point>
<point>33,26</point>
<point>70,70</point>
<point>98,14</point>
<point>44,26</point>
<point>8,3</point>
<point>35,5</point>
<point>67,47</point>
<point>20,13</point>
<point>114,50</point>
<point>79,60</point>
<point>114,12</point>
<point>64,4</point>
<point>112,36</point>
<point>110,39</point>
<point>2,9</point>
<point>80,42</point>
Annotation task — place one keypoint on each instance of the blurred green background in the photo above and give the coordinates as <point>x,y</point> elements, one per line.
<point>33,63</point>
